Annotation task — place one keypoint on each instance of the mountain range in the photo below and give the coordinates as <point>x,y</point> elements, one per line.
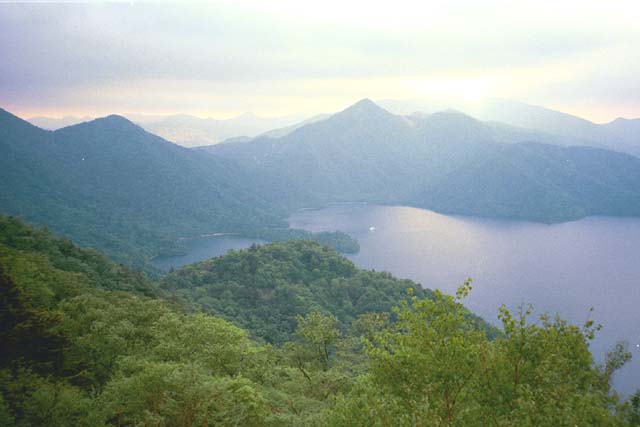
<point>191,131</point>
<point>188,130</point>
<point>619,135</point>
<point>543,124</point>
<point>446,161</point>
<point>112,185</point>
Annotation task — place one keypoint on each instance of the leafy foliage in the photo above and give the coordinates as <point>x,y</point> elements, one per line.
<point>264,288</point>
<point>337,240</point>
<point>61,254</point>
<point>432,367</point>
<point>84,342</point>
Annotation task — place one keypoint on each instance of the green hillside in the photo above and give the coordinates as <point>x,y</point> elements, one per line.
<point>265,288</point>
<point>85,342</point>
<point>110,185</point>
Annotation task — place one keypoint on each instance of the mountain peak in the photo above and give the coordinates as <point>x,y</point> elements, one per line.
<point>365,108</point>
<point>363,104</point>
<point>365,101</point>
<point>624,120</point>
<point>116,119</point>
<point>104,125</point>
<point>113,121</point>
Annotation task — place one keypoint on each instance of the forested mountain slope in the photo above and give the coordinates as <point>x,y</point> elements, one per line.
<point>446,161</point>
<point>111,185</point>
<point>85,342</point>
<point>264,288</point>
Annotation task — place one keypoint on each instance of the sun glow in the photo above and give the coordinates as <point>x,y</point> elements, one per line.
<point>462,90</point>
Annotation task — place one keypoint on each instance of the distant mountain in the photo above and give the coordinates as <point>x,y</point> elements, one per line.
<point>111,185</point>
<point>345,157</point>
<point>620,135</point>
<point>235,139</point>
<point>191,131</point>
<point>53,123</point>
<point>446,161</point>
<point>280,132</point>
<point>535,117</point>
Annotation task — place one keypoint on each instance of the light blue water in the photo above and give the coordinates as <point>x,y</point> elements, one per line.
<point>205,248</point>
<point>565,268</point>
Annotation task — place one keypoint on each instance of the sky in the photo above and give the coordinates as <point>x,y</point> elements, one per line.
<point>274,58</point>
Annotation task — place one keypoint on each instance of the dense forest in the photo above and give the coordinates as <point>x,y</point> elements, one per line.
<point>87,342</point>
<point>265,288</point>
<point>110,185</point>
<point>338,240</point>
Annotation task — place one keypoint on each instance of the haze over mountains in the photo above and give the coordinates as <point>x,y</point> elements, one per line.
<point>187,130</point>
<point>620,134</point>
<point>544,124</point>
<point>54,123</point>
<point>285,214</point>
<point>110,184</point>
<point>191,131</point>
<point>446,161</point>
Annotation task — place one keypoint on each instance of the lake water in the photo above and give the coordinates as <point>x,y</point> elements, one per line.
<point>204,248</point>
<point>565,268</point>
<point>562,268</point>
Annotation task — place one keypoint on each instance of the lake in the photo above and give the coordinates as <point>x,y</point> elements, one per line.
<point>203,248</point>
<point>565,268</point>
<point>561,268</point>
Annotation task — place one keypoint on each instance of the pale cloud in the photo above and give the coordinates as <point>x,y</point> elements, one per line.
<point>284,57</point>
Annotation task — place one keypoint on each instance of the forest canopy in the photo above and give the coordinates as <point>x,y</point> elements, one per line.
<point>86,342</point>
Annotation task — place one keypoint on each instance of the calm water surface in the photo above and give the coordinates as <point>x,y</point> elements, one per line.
<point>205,248</point>
<point>562,268</point>
<point>565,268</point>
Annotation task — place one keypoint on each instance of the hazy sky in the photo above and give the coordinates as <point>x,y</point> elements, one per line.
<point>282,57</point>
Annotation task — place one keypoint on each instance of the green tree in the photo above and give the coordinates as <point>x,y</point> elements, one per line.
<point>634,410</point>
<point>434,367</point>
<point>215,344</point>
<point>320,333</point>
<point>176,394</point>
<point>429,360</point>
